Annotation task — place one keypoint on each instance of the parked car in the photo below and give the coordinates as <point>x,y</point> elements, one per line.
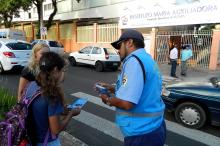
<point>53,45</point>
<point>13,54</point>
<point>194,103</point>
<point>99,57</point>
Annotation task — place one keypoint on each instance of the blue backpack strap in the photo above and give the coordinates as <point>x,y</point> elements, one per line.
<point>142,66</point>
<point>31,92</point>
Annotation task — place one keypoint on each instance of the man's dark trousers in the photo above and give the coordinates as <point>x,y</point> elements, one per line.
<point>173,67</point>
<point>154,138</point>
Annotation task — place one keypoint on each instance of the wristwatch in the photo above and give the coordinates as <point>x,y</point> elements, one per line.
<point>108,101</point>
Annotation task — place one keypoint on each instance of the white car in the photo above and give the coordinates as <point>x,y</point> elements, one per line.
<point>13,54</point>
<point>99,57</point>
<point>53,45</point>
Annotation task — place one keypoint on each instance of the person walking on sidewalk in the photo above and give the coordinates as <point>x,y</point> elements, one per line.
<point>173,60</point>
<point>186,54</point>
<point>137,95</point>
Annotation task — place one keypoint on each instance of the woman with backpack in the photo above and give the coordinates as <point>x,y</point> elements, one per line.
<point>44,121</point>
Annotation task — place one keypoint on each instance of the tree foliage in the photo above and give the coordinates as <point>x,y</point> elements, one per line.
<point>10,8</point>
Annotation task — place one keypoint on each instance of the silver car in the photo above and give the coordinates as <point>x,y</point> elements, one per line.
<point>53,45</point>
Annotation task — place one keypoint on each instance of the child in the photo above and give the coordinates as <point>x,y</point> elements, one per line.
<point>45,110</point>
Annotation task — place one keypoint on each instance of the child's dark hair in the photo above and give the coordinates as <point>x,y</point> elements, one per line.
<point>48,63</point>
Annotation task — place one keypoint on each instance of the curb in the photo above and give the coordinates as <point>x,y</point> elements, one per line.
<point>67,139</point>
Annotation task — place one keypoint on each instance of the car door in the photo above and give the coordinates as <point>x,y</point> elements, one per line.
<point>84,55</point>
<point>96,55</point>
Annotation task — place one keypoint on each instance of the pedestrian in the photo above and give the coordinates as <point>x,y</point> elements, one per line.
<point>137,95</point>
<point>186,54</point>
<point>32,69</point>
<point>44,122</point>
<point>173,60</point>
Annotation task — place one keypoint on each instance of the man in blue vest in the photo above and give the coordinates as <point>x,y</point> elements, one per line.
<point>137,95</point>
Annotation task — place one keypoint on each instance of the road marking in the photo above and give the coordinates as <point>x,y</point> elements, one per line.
<point>197,135</point>
<point>103,125</point>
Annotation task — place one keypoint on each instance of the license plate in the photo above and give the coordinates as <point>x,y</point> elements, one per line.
<point>115,64</point>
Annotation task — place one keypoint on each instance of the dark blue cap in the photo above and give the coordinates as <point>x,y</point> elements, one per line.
<point>128,34</point>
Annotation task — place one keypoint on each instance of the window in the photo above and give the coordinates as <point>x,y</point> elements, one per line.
<point>96,50</point>
<point>86,50</point>
<point>54,44</point>
<point>29,15</point>
<point>45,7</point>
<point>19,46</point>
<point>35,10</point>
<point>110,51</point>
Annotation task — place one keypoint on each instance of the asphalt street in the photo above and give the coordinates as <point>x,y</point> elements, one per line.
<point>95,125</point>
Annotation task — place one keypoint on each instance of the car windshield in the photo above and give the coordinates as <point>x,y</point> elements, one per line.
<point>110,51</point>
<point>55,44</point>
<point>19,46</point>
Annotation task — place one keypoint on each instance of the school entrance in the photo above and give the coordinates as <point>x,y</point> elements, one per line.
<point>200,42</point>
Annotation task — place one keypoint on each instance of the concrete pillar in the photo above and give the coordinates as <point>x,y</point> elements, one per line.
<point>74,46</point>
<point>32,31</point>
<point>74,33</point>
<point>58,30</point>
<point>95,32</point>
<point>119,32</point>
<point>22,26</point>
<point>214,50</point>
<point>153,42</point>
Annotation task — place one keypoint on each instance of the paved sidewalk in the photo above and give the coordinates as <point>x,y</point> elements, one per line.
<point>193,75</point>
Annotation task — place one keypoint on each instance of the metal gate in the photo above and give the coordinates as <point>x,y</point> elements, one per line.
<point>200,42</point>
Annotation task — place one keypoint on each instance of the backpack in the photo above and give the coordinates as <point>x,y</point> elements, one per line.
<point>13,129</point>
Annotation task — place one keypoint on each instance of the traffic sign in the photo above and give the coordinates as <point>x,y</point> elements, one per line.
<point>43,30</point>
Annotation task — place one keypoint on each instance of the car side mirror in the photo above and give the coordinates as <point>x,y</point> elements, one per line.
<point>215,82</point>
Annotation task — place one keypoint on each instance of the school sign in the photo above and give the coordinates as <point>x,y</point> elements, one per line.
<point>137,15</point>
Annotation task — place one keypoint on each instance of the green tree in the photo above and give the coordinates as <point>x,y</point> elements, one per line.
<point>10,8</point>
<point>38,4</point>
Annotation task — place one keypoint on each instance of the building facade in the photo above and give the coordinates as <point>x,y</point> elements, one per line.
<point>162,22</point>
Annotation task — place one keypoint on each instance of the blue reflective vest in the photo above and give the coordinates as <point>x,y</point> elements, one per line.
<point>147,115</point>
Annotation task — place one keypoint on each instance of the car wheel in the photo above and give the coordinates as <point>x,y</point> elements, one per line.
<point>1,69</point>
<point>72,61</point>
<point>190,115</point>
<point>99,66</point>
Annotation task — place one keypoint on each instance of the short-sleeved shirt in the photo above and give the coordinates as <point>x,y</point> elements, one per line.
<point>40,110</point>
<point>133,87</point>
<point>27,74</point>
<point>174,53</point>
<point>186,54</point>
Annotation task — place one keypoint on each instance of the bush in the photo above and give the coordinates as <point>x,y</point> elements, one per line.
<point>7,100</point>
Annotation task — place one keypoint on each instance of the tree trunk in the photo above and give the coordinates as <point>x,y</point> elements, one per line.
<point>7,20</point>
<point>50,20</point>
<point>39,7</point>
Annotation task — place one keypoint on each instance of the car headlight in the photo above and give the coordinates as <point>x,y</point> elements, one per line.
<point>165,92</point>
